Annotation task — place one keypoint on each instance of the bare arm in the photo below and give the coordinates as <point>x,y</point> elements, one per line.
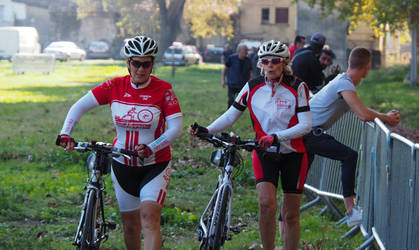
<point>364,113</point>
<point>223,76</point>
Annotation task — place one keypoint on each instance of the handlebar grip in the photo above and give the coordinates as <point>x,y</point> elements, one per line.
<point>58,140</point>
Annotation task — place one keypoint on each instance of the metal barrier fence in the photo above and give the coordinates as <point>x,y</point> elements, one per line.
<point>387,182</point>
<point>44,63</point>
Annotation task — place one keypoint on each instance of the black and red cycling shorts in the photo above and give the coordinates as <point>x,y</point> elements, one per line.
<point>293,167</point>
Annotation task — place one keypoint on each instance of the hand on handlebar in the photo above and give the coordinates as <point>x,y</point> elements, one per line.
<point>268,140</point>
<point>66,142</point>
<point>144,151</point>
<point>195,129</point>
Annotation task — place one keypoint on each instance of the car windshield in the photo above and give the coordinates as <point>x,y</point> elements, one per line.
<point>98,45</point>
<point>62,45</point>
<point>174,50</point>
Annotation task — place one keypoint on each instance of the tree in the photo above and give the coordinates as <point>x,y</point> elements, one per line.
<point>397,14</point>
<point>64,14</point>
<point>210,18</point>
<point>170,18</point>
<point>149,17</point>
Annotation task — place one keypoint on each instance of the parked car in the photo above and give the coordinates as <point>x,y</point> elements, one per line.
<point>213,54</point>
<point>176,55</point>
<point>65,50</point>
<point>191,49</point>
<point>98,50</point>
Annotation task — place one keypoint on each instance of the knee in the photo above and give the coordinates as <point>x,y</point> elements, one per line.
<point>132,226</point>
<point>291,216</point>
<point>150,220</point>
<point>267,204</point>
<point>352,155</point>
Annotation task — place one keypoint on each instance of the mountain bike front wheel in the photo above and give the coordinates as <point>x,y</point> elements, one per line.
<point>88,236</point>
<point>220,225</point>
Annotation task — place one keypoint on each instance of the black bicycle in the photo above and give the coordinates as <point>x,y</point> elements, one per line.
<point>214,224</point>
<point>93,227</point>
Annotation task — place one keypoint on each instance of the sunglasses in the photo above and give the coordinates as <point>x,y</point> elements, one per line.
<point>138,64</point>
<point>274,61</point>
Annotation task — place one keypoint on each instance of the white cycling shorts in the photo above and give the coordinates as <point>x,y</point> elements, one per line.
<point>155,190</point>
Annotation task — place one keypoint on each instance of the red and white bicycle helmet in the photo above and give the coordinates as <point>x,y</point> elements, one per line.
<point>274,48</point>
<point>141,46</point>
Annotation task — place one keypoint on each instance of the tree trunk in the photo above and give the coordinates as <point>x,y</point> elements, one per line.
<point>414,29</point>
<point>170,18</point>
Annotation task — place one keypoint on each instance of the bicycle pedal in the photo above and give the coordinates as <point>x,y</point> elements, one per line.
<point>111,225</point>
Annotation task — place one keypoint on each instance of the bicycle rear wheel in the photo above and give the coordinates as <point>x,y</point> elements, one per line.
<point>88,237</point>
<point>220,226</point>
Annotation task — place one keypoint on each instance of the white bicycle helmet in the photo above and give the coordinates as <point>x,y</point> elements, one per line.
<point>274,48</point>
<point>141,46</point>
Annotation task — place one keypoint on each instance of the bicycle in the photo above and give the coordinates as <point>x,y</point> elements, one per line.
<point>93,227</point>
<point>214,224</point>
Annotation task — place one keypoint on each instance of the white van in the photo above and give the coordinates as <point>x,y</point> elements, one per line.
<point>16,39</point>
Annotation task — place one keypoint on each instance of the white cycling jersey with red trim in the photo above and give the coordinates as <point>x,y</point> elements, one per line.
<point>273,107</point>
<point>139,114</point>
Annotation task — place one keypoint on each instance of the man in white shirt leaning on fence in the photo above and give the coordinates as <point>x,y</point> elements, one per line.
<point>327,106</point>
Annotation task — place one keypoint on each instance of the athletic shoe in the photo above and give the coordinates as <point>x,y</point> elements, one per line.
<point>355,218</point>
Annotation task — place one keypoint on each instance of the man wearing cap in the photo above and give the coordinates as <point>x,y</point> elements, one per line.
<point>305,63</point>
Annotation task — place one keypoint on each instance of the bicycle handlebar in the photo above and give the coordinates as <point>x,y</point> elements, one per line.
<point>103,147</point>
<point>226,140</point>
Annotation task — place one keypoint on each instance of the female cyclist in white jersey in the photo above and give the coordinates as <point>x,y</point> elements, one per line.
<point>280,115</point>
<point>141,106</point>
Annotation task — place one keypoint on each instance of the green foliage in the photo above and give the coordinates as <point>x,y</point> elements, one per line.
<point>42,186</point>
<point>211,18</point>
<point>395,13</point>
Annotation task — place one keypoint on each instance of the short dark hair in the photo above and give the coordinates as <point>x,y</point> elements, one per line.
<point>299,39</point>
<point>359,58</point>
<point>329,52</point>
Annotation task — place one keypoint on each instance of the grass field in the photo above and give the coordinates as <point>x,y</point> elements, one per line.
<point>41,186</point>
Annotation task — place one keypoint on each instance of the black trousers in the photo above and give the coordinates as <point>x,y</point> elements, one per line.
<point>232,93</point>
<point>327,146</point>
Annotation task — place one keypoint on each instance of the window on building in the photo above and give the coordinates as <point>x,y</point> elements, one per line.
<point>265,15</point>
<point>281,15</point>
<point>1,12</point>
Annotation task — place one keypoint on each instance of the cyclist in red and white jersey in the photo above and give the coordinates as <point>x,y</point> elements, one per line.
<point>142,105</point>
<point>280,114</point>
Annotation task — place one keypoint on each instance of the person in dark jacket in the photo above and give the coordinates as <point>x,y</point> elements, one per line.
<point>305,63</point>
<point>238,70</point>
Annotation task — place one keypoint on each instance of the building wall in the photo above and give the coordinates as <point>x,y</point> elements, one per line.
<point>252,27</point>
<point>309,21</point>
<point>38,17</point>
<point>363,35</point>
<point>11,12</point>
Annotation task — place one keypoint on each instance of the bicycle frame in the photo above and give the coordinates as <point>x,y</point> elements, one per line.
<point>94,183</point>
<point>214,224</point>
<point>224,181</point>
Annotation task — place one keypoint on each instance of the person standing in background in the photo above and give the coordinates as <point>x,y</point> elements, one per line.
<point>299,42</point>
<point>238,70</point>
<point>227,51</point>
<point>305,63</point>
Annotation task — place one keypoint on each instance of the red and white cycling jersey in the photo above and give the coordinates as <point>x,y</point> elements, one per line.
<point>139,114</point>
<point>274,107</point>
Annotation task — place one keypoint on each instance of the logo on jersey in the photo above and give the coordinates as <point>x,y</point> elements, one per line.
<point>127,95</point>
<point>106,85</point>
<point>170,97</point>
<point>145,115</point>
<point>282,103</point>
<point>136,118</point>
<point>145,97</point>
